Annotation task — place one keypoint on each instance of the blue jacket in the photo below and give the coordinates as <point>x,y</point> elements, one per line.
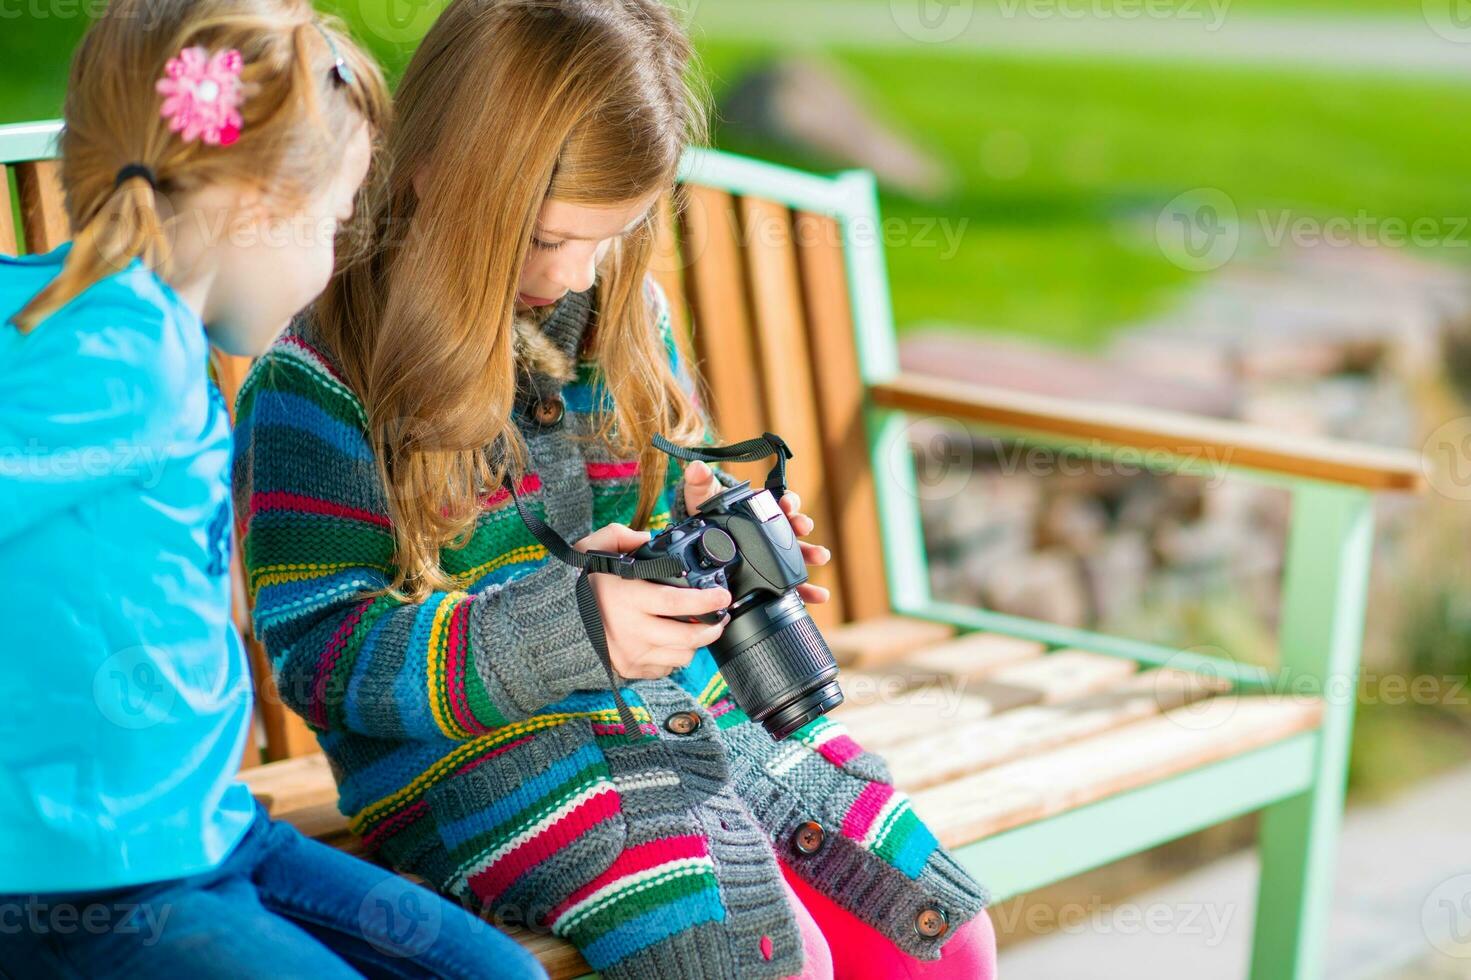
<point>124,693</point>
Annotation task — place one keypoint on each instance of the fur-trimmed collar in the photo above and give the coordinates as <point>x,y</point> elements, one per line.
<point>547,345</point>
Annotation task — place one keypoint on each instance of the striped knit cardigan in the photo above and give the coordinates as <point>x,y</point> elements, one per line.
<point>474,738</point>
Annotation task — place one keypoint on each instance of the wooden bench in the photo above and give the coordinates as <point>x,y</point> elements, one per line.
<point>1036,751</point>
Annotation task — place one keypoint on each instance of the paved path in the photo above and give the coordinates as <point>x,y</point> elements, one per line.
<point>1436,44</point>
<point>1402,900</point>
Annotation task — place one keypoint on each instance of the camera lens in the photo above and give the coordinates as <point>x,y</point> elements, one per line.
<point>777,665</point>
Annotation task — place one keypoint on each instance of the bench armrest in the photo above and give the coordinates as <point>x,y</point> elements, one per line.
<point>1184,437</point>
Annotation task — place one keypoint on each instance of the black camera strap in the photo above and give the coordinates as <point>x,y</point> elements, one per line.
<point>626,566</point>
<point>741,452</point>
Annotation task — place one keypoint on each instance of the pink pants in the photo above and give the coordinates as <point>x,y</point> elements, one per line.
<point>836,943</point>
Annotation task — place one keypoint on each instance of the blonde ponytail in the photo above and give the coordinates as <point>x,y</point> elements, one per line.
<point>120,161</point>
<point>127,227</point>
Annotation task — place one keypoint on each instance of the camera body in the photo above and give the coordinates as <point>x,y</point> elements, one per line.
<point>775,661</point>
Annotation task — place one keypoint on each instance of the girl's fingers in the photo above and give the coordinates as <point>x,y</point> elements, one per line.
<point>658,599</point>
<point>813,593</point>
<point>816,554</point>
<point>802,525</point>
<point>670,659</point>
<point>672,633</point>
<point>790,502</point>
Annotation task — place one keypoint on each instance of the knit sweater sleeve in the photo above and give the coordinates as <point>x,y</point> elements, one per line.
<point>317,545</point>
<point>659,309</point>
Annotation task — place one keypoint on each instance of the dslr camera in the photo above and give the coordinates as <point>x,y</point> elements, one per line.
<point>776,663</point>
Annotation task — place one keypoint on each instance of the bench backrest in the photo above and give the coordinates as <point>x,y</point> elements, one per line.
<point>774,276</point>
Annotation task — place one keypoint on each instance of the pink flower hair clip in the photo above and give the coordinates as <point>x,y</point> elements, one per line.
<point>202,96</point>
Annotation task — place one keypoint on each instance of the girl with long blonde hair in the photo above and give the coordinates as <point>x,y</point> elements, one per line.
<point>211,155</point>
<point>503,329</point>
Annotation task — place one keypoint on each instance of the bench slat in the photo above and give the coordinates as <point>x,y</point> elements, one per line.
<point>1040,786</point>
<point>287,736</point>
<point>838,386</point>
<point>1061,676</point>
<point>230,372</point>
<point>964,749</point>
<point>42,205</point>
<point>715,282</point>
<point>9,240</point>
<point>873,643</point>
<point>785,364</point>
<point>970,657</point>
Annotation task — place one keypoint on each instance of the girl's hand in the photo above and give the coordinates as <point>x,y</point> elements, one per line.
<point>699,485</point>
<point>812,554</point>
<point>641,643</point>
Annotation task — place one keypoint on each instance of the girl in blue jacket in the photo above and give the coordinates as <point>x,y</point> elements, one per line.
<point>212,152</point>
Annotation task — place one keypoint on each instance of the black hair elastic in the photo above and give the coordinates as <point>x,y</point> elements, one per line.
<point>136,170</point>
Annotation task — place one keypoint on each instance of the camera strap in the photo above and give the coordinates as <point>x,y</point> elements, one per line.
<point>609,563</point>
<point>741,452</point>
<point>627,566</point>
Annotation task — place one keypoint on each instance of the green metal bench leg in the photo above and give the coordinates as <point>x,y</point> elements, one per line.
<point>1324,593</point>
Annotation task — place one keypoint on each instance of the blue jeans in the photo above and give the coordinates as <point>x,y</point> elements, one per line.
<point>281,905</point>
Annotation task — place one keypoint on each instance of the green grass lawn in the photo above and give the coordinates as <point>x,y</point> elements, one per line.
<point>1064,164</point>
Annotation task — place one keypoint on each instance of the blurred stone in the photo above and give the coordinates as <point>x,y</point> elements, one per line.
<point>1047,585</point>
<point>1074,521</point>
<point>798,103</point>
<point>1117,573</point>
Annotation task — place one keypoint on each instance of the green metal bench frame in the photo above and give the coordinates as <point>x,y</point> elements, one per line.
<point>1298,783</point>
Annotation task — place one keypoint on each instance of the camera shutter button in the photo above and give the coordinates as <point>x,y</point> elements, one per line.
<point>715,547</point>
